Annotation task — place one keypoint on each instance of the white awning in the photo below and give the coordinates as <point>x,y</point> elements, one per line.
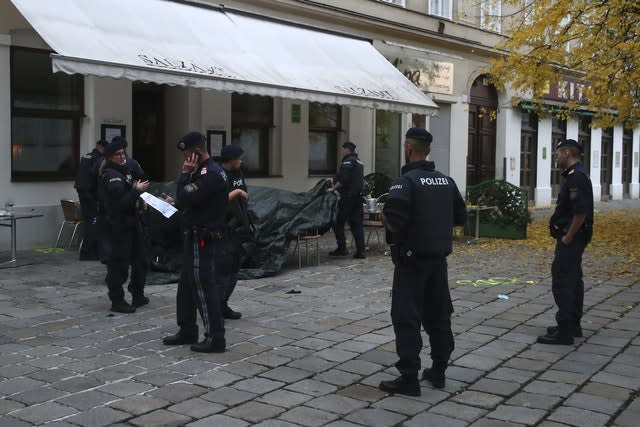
<point>173,43</point>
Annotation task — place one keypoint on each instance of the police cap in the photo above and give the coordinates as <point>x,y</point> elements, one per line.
<point>190,140</point>
<point>569,143</point>
<point>349,146</point>
<point>419,134</point>
<point>117,143</point>
<point>230,152</point>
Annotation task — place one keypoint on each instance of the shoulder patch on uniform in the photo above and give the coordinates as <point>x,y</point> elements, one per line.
<point>190,188</point>
<point>395,187</point>
<point>115,179</point>
<point>571,171</point>
<point>223,175</point>
<point>204,170</point>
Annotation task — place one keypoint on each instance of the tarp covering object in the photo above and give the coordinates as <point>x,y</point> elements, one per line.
<point>278,216</point>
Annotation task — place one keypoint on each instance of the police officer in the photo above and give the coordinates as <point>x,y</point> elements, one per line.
<point>87,187</point>
<point>239,226</point>
<point>202,197</point>
<point>119,191</point>
<point>349,182</point>
<point>571,225</point>
<point>422,207</point>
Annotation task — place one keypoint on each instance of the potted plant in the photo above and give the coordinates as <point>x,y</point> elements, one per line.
<point>509,215</point>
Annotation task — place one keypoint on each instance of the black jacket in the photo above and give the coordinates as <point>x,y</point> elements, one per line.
<point>424,204</point>
<point>350,176</point>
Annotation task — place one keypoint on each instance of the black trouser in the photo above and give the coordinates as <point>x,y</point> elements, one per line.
<point>89,208</point>
<point>200,287</point>
<point>350,209</point>
<point>127,250</point>
<point>567,284</point>
<point>227,268</point>
<point>420,296</point>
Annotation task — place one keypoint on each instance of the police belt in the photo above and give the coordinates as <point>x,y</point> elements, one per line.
<point>209,234</point>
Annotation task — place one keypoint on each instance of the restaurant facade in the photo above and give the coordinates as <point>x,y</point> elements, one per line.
<point>287,80</point>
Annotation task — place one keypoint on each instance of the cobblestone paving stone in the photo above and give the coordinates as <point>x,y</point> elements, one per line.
<point>315,358</point>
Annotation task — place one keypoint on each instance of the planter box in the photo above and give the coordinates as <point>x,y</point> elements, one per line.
<point>499,231</point>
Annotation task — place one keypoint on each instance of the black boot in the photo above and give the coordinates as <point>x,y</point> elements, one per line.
<point>359,255</point>
<point>401,385</point>
<point>556,339</point>
<point>122,307</point>
<point>228,313</point>
<point>180,338</point>
<point>208,345</point>
<point>436,378</point>
<point>339,252</point>
<point>552,330</point>
<point>139,300</point>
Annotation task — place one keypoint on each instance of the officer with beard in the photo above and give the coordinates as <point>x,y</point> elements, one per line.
<point>421,209</point>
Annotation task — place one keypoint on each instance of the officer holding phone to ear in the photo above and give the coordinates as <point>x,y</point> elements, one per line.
<point>201,196</point>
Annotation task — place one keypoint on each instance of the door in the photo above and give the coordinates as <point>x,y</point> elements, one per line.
<point>584,138</point>
<point>388,144</point>
<point>481,155</point>
<point>627,148</point>
<point>606,162</point>
<point>529,153</point>
<point>148,129</point>
<point>558,133</point>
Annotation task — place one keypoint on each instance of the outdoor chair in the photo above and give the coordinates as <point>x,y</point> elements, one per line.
<point>73,217</point>
<point>311,235</point>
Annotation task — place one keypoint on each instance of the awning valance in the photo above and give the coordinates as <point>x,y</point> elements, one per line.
<point>176,43</point>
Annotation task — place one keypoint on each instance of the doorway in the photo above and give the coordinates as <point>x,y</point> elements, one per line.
<point>148,129</point>
<point>481,154</point>
<point>529,152</point>
<point>606,162</point>
<point>627,155</point>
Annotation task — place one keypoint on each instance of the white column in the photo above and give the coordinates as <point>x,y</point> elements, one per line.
<point>616,176</point>
<point>509,125</point>
<point>596,151</point>
<point>459,143</point>
<point>545,156</point>
<point>634,187</point>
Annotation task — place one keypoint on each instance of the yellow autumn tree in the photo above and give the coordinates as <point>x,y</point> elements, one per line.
<point>594,41</point>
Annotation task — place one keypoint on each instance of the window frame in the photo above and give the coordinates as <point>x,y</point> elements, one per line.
<point>401,3</point>
<point>491,15</point>
<point>265,131</point>
<point>76,117</point>
<point>332,152</point>
<point>437,8</point>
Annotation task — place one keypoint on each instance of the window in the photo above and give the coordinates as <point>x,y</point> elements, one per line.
<point>324,127</point>
<point>46,114</point>
<point>251,124</point>
<point>440,8</point>
<point>490,15</point>
<point>396,2</point>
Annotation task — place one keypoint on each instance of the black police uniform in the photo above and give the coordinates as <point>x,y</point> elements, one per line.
<point>123,230</point>
<point>202,199</point>
<point>350,176</point>
<point>86,185</point>
<point>575,198</point>
<point>423,204</point>
<point>240,239</point>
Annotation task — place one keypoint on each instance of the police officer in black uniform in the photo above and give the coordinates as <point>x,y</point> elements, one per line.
<point>238,223</point>
<point>572,226</point>
<point>87,187</point>
<point>349,182</point>
<point>119,191</point>
<point>202,198</point>
<point>420,211</point>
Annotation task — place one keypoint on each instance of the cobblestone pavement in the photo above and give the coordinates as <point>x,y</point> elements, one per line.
<point>316,357</point>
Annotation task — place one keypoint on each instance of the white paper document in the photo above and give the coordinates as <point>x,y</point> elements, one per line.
<point>158,204</point>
